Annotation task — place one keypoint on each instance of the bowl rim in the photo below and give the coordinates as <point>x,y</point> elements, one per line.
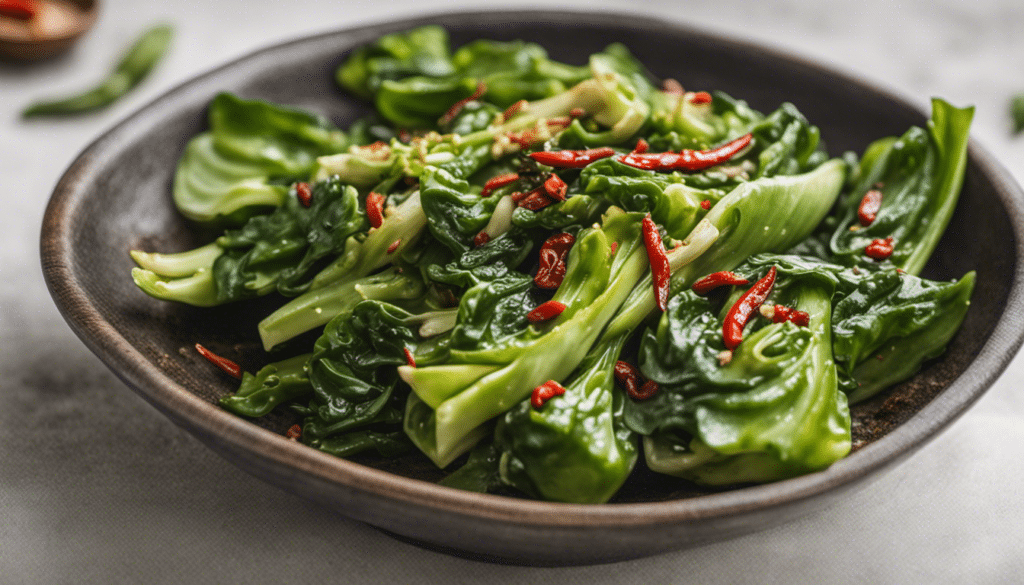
<point>144,377</point>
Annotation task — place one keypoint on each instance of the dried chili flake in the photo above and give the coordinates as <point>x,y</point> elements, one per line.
<point>545,311</point>
<point>615,246</point>
<point>394,246</point>
<point>661,272</point>
<point>546,391</point>
<point>879,249</point>
<point>304,193</point>
<point>498,182</point>
<point>481,89</point>
<point>553,254</point>
<point>227,366</point>
<point>741,311</point>
<point>705,205</point>
<point>577,113</point>
<point>481,239</point>
<point>409,358</point>
<point>375,209</point>
<point>646,391</point>
<point>718,279</point>
<point>536,200</point>
<point>294,432</point>
<point>555,187</point>
<point>869,206</point>
<point>513,110</point>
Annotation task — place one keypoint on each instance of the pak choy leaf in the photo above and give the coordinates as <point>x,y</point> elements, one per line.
<point>242,165</point>
<point>772,411</point>
<point>277,383</point>
<point>270,252</point>
<point>576,447</point>
<point>919,175</point>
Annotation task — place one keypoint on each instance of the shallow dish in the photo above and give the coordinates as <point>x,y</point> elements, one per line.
<point>116,197</point>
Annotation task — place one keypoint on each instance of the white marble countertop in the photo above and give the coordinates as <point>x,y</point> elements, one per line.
<point>97,487</point>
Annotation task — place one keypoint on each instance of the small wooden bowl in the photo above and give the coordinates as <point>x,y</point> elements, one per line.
<point>51,32</point>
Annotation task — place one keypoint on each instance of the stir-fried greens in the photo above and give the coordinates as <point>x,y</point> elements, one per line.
<point>558,268</point>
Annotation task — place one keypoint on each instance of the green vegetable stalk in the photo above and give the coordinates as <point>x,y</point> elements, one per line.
<point>136,64</point>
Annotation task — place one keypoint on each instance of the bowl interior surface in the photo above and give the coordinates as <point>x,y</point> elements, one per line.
<point>116,197</point>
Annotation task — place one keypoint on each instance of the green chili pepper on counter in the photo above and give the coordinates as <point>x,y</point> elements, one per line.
<point>137,62</point>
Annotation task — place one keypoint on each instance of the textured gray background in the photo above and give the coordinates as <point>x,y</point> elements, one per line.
<point>97,487</point>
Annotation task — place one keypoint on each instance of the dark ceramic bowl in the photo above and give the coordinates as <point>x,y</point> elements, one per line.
<point>116,196</point>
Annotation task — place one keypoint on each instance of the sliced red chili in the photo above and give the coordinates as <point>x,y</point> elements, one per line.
<point>375,209</point>
<point>641,147</point>
<point>524,139</point>
<point>409,358</point>
<point>304,194</point>
<point>294,432</point>
<point>481,239</point>
<point>718,279</point>
<point>687,160</point>
<point>701,97</point>
<point>577,113</point>
<point>571,159</point>
<point>614,247</point>
<point>481,89</point>
<point>19,9</point>
<point>553,255</point>
<point>739,314</point>
<point>869,207</point>
<point>555,187</point>
<point>661,272</point>
<point>705,205</point>
<point>394,246</point>
<point>498,182</point>
<point>780,313</point>
<point>227,366</point>
<point>545,311</point>
<point>546,391</point>
<point>800,318</point>
<point>879,249</point>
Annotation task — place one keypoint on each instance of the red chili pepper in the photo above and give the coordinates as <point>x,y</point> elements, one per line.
<point>536,200</point>
<point>713,281</point>
<point>781,313</point>
<point>671,86</point>
<point>546,391</point>
<point>555,187</point>
<point>481,89</point>
<point>701,97</point>
<point>394,246</point>
<point>294,432</point>
<point>705,205</point>
<point>481,239</point>
<point>304,194</point>
<point>518,196</point>
<point>869,207</point>
<point>879,249</point>
<point>375,209</point>
<point>546,311</point>
<point>409,358</point>
<point>687,160</point>
<point>524,139</point>
<point>738,315</point>
<point>661,272</point>
<point>498,182</point>
<point>552,261</point>
<point>513,110</point>
<point>19,9</point>
<point>614,247</point>
<point>641,147</point>
<point>229,367</point>
<point>571,159</point>
<point>577,113</point>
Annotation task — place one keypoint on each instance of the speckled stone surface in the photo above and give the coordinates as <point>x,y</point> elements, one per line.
<point>97,487</point>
